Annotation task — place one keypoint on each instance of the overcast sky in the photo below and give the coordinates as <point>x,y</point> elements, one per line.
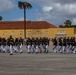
<point>52,11</point>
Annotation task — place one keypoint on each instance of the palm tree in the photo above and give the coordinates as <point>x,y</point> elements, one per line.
<point>24,5</point>
<point>67,23</point>
<point>0,18</point>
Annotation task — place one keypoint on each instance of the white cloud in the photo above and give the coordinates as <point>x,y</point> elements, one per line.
<point>47,8</point>
<point>6,5</point>
<point>19,19</point>
<point>69,9</point>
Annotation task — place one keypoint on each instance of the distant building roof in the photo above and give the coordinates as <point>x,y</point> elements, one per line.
<point>29,25</point>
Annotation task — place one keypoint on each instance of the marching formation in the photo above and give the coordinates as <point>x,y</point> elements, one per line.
<point>11,45</point>
<point>37,45</point>
<point>64,45</point>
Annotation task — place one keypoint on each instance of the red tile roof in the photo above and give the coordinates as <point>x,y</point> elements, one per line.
<point>29,25</point>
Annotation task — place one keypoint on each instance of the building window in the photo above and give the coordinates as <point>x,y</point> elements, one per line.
<point>12,33</point>
<point>46,32</point>
<point>4,33</point>
<point>60,32</point>
<point>21,33</point>
<point>37,32</point>
<point>29,33</point>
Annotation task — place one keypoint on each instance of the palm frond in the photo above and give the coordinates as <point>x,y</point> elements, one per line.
<point>24,5</point>
<point>0,18</point>
<point>27,5</point>
<point>20,4</point>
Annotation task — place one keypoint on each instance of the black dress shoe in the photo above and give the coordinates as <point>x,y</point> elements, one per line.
<point>29,52</point>
<point>21,52</point>
<point>11,54</point>
<point>3,51</point>
<point>0,51</point>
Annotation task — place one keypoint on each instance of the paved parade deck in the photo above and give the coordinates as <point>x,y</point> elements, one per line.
<point>37,64</point>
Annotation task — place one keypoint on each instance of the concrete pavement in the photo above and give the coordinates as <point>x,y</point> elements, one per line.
<point>37,64</point>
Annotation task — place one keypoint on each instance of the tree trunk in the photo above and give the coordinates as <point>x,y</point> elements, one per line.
<point>24,23</point>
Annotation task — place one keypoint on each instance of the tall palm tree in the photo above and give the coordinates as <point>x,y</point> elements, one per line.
<point>0,18</point>
<point>24,5</point>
